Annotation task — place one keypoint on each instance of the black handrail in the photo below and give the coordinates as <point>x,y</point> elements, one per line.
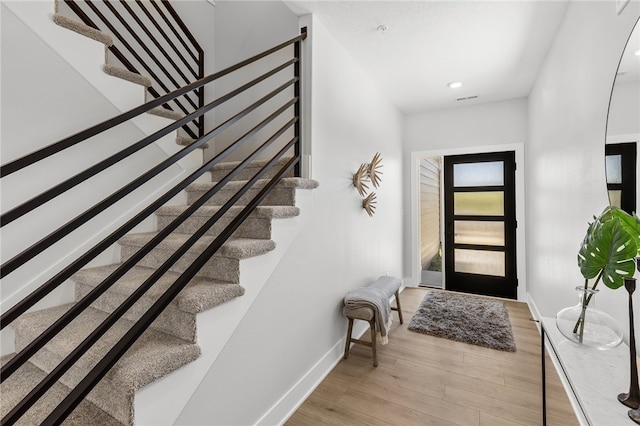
<point>58,415</point>
<point>124,42</point>
<point>74,398</point>
<point>46,288</point>
<point>77,179</point>
<point>70,141</point>
<point>34,346</point>
<point>46,242</point>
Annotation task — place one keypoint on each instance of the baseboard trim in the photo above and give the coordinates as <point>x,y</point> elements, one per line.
<point>284,408</point>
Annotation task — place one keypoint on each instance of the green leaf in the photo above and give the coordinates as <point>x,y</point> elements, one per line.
<point>608,247</point>
<point>631,224</point>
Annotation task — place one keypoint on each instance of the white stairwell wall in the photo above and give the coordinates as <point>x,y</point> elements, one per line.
<point>294,332</point>
<point>53,86</point>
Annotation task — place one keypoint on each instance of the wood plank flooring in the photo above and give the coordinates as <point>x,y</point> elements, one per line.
<point>425,380</point>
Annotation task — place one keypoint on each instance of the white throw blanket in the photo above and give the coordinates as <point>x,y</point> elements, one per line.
<point>378,301</point>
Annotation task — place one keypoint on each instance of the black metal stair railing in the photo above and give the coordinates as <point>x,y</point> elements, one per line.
<point>158,33</point>
<point>289,108</point>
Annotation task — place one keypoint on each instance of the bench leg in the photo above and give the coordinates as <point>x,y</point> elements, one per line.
<point>399,308</point>
<point>348,343</point>
<point>372,325</point>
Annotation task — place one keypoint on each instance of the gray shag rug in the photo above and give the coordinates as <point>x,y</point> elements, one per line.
<point>467,319</point>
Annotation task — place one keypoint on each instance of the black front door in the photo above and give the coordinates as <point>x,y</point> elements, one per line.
<point>480,224</point>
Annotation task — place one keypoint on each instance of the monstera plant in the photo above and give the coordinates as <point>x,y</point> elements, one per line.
<point>608,253</point>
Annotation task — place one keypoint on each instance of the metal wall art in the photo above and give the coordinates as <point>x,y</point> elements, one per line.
<point>368,173</point>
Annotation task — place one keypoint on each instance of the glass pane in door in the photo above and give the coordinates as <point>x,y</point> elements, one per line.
<point>480,262</point>
<point>479,233</point>
<point>490,173</point>
<point>613,167</point>
<point>482,203</point>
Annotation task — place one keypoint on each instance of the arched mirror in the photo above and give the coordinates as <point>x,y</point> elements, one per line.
<point>623,129</point>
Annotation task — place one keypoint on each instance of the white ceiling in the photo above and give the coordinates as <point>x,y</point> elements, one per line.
<point>495,48</point>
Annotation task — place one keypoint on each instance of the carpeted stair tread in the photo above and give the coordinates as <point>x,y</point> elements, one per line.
<point>80,28</point>
<point>199,295</point>
<point>125,74</point>
<point>237,248</point>
<point>154,355</point>
<point>263,212</point>
<point>186,141</point>
<point>221,170</point>
<point>166,113</point>
<point>291,182</point>
<point>16,387</point>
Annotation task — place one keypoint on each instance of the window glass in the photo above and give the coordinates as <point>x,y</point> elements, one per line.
<point>478,174</point>
<point>479,232</point>
<point>480,262</point>
<point>489,203</point>
<point>615,198</point>
<point>614,168</point>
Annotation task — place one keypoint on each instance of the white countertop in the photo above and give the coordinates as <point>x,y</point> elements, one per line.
<point>595,377</point>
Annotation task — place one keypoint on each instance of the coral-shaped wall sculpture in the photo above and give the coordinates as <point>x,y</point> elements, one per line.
<point>360,180</point>
<point>369,204</point>
<point>375,175</point>
<point>368,173</point>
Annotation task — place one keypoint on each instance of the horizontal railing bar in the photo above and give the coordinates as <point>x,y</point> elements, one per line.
<point>46,196</point>
<point>36,156</point>
<point>81,219</point>
<point>164,35</point>
<point>74,398</point>
<point>26,303</point>
<point>153,57</point>
<point>95,335</point>
<point>182,26</point>
<point>175,32</point>
<point>117,53</point>
<point>131,50</point>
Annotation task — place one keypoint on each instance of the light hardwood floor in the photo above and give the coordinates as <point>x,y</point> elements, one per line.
<point>425,380</point>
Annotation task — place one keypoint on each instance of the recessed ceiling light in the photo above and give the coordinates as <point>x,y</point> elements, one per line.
<point>382,28</point>
<point>455,84</point>
<point>637,52</point>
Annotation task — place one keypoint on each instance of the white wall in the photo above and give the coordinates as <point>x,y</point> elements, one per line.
<point>295,330</point>
<point>477,128</point>
<point>565,167</point>
<point>44,99</point>
<point>199,16</point>
<point>244,29</point>
<point>625,109</point>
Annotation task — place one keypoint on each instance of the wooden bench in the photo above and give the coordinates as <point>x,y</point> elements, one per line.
<point>390,287</point>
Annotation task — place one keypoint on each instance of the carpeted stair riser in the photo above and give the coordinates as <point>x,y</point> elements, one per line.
<point>251,228</point>
<point>278,197</point>
<point>223,266</point>
<point>257,225</point>
<point>220,171</point>
<point>218,268</point>
<point>178,319</point>
<point>172,321</point>
<point>153,356</point>
<point>27,377</point>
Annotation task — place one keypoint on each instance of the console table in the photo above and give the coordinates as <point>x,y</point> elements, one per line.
<point>592,378</point>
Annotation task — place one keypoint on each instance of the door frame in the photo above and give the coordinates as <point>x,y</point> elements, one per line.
<point>520,207</point>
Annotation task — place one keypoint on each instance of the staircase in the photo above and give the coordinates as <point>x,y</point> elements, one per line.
<point>172,340</point>
<point>134,322</point>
